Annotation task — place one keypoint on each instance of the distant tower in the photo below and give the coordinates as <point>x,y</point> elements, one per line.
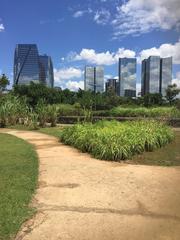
<point>46,70</point>
<point>127,77</point>
<point>166,74</point>
<point>112,84</point>
<point>94,79</point>
<point>26,64</point>
<point>156,75</point>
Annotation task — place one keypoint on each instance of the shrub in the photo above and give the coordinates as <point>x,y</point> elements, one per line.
<point>111,140</point>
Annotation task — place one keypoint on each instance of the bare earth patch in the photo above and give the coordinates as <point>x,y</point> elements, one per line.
<point>81,198</point>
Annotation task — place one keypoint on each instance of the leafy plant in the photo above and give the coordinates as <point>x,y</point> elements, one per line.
<point>117,141</point>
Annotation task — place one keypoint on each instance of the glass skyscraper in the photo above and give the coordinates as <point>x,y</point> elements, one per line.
<point>94,79</point>
<point>156,75</point>
<point>127,77</point>
<point>26,64</point>
<point>30,67</point>
<point>166,74</point>
<point>46,70</point>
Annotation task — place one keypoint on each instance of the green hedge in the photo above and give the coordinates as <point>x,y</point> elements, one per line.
<point>111,140</point>
<point>169,112</point>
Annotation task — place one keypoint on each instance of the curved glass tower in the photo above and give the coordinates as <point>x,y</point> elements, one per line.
<point>30,67</point>
<point>26,64</point>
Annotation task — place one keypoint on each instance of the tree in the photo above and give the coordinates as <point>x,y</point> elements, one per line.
<point>151,99</point>
<point>112,100</point>
<point>171,92</point>
<point>4,81</point>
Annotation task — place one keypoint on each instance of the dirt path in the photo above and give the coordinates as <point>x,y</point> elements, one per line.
<point>81,198</point>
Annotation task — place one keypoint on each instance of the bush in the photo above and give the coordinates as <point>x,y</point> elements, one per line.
<point>111,140</point>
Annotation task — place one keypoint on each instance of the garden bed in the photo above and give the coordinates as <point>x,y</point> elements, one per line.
<point>111,140</point>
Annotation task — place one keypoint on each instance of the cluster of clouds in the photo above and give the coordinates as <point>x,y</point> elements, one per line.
<point>109,58</point>
<point>141,16</point>
<point>176,80</point>
<point>68,78</point>
<point>135,17</point>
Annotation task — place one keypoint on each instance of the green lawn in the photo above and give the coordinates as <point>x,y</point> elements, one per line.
<point>53,131</point>
<point>18,179</point>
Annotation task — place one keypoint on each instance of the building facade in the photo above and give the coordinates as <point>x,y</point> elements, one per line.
<point>156,75</point>
<point>26,64</point>
<point>30,67</point>
<point>94,79</point>
<point>127,77</point>
<point>166,74</point>
<point>113,85</point>
<point>46,70</point>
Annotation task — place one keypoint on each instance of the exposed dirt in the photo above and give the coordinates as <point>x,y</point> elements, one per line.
<point>81,198</point>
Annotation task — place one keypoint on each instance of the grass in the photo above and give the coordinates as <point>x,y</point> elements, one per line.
<point>117,141</point>
<point>18,179</point>
<point>169,155</point>
<point>53,131</point>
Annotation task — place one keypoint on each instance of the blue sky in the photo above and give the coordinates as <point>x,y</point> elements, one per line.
<point>76,33</point>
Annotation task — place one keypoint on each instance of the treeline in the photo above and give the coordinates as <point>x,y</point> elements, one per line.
<point>35,93</point>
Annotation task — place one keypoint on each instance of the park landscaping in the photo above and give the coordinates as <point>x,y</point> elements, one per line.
<point>18,180</point>
<point>111,140</point>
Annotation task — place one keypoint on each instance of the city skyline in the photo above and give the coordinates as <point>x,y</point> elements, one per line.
<point>89,32</point>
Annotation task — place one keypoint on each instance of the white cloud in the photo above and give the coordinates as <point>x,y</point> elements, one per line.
<point>69,78</point>
<point>177,79</point>
<point>67,73</point>
<point>78,14</point>
<point>165,50</point>
<point>135,17</point>
<point>2,28</point>
<point>103,58</point>
<point>74,85</point>
<point>102,17</point>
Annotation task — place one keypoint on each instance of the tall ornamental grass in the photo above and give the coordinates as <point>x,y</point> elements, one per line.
<point>112,140</point>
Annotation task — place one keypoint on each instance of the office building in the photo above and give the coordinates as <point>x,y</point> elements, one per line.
<point>46,70</point>
<point>127,77</point>
<point>156,75</point>
<point>113,85</point>
<point>94,79</point>
<point>30,67</point>
<point>165,74</point>
<point>26,64</point>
